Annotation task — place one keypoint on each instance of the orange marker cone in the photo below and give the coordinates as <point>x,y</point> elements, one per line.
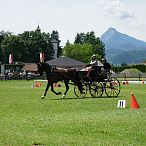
<point>133,102</point>
<point>142,81</point>
<point>37,84</point>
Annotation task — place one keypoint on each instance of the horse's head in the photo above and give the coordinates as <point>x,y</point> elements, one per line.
<point>43,67</point>
<point>40,67</point>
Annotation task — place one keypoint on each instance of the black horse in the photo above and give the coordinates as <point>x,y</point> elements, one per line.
<point>55,75</point>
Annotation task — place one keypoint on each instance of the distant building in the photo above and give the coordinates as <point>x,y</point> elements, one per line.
<point>38,29</point>
<point>54,41</point>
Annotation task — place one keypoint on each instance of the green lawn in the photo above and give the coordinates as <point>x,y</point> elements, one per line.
<point>27,120</point>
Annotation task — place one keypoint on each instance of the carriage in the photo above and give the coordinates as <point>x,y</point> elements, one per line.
<point>103,83</point>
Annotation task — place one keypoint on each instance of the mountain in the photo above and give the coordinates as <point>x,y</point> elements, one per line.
<point>118,46</point>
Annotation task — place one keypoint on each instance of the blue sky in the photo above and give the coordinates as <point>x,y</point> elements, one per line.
<point>71,16</point>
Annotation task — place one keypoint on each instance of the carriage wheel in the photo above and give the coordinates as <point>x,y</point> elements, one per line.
<point>96,89</point>
<point>78,93</point>
<point>112,87</point>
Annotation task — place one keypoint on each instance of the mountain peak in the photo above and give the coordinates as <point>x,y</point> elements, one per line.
<point>112,29</point>
<point>113,37</point>
<point>117,43</point>
<point>108,34</point>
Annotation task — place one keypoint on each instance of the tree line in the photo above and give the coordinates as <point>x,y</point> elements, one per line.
<point>27,46</point>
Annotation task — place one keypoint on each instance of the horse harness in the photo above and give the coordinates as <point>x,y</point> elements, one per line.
<point>62,72</point>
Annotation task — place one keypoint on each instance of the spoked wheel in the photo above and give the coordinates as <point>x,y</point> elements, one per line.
<point>112,87</point>
<point>96,89</point>
<point>78,93</point>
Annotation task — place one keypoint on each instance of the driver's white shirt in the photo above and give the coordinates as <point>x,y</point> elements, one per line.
<point>94,63</point>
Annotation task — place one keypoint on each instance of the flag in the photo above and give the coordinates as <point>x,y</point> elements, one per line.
<point>41,57</point>
<point>10,58</point>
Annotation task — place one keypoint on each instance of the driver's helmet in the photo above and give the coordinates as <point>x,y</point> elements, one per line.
<point>93,57</point>
<point>103,59</point>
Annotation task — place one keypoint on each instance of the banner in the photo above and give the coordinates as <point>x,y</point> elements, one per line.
<point>10,58</point>
<point>41,57</point>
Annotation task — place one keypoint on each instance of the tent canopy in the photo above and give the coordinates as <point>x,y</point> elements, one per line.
<point>66,62</point>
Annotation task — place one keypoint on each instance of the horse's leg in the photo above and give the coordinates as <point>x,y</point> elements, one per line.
<point>79,84</point>
<point>52,89</point>
<point>47,87</point>
<point>67,88</point>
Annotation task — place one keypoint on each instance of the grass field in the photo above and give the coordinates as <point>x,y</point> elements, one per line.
<point>27,120</point>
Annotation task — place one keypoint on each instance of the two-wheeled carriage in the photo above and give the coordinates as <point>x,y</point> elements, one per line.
<point>82,84</point>
<point>103,82</point>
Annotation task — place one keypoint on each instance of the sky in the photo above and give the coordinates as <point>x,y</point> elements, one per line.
<point>70,17</point>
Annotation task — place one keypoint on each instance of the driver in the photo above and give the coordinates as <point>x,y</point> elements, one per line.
<point>93,70</point>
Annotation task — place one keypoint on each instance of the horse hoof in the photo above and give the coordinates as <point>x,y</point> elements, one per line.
<point>43,97</point>
<point>63,96</point>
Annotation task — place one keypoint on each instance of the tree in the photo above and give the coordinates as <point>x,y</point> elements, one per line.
<point>82,41</point>
<point>80,38</point>
<point>35,42</point>
<point>1,39</point>
<point>96,43</point>
<point>27,46</point>
<point>79,52</point>
<point>3,35</point>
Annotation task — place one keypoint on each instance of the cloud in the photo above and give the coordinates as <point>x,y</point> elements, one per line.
<point>114,8</point>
